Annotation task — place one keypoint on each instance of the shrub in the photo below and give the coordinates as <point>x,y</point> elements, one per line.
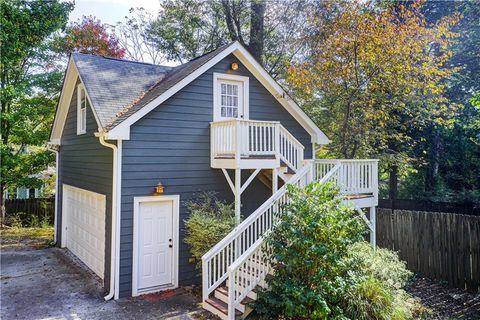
<point>324,270</point>
<point>307,250</point>
<point>381,264</point>
<point>210,220</point>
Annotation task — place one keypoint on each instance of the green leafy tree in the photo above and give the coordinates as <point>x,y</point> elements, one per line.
<point>374,78</point>
<point>186,29</point>
<point>29,85</point>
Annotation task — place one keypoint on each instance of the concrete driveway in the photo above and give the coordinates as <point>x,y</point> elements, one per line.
<point>49,284</point>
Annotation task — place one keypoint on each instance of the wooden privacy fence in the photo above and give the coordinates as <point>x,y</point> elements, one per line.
<point>443,246</point>
<point>26,209</point>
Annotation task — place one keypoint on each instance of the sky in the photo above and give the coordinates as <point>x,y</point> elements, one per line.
<point>111,11</point>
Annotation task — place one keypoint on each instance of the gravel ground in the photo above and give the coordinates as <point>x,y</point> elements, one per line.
<point>444,301</point>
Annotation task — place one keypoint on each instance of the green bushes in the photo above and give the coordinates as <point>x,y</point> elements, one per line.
<point>324,270</point>
<point>210,220</point>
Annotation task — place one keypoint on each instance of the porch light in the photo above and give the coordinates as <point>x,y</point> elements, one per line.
<point>159,188</point>
<point>234,66</point>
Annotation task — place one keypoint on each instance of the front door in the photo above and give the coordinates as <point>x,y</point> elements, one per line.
<point>230,102</point>
<point>155,245</point>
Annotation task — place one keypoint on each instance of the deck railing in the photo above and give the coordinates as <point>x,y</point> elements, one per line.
<point>250,138</point>
<point>354,177</point>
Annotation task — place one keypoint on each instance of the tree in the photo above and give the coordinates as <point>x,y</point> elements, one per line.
<point>374,78</point>
<point>186,29</point>
<point>133,36</point>
<point>28,87</point>
<point>90,36</point>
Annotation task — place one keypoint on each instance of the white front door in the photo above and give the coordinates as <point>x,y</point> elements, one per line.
<point>230,99</point>
<point>155,245</point>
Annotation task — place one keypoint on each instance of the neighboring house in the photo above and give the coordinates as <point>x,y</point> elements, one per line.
<point>217,123</point>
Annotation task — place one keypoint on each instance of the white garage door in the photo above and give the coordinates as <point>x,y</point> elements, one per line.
<point>84,226</point>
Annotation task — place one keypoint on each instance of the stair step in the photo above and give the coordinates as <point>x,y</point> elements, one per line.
<point>221,307</point>
<point>224,291</point>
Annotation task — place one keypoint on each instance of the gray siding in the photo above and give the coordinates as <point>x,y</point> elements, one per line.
<point>86,164</point>
<point>171,144</point>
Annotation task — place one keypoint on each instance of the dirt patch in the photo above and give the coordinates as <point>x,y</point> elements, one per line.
<point>444,301</point>
<point>25,238</point>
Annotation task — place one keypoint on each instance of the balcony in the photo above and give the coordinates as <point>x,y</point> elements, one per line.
<point>249,144</point>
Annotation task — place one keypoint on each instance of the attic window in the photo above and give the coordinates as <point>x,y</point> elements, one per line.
<point>81,110</point>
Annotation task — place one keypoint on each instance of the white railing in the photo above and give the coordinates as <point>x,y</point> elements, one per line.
<point>216,261</point>
<point>290,149</point>
<point>354,176</point>
<point>243,138</point>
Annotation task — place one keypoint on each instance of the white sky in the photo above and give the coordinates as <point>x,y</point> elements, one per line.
<point>111,11</point>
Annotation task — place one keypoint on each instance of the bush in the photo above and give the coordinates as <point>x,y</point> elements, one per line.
<point>307,250</point>
<point>210,220</point>
<point>381,264</point>
<point>324,270</point>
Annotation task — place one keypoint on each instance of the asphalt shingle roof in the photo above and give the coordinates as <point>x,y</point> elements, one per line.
<point>112,84</point>
<point>119,88</point>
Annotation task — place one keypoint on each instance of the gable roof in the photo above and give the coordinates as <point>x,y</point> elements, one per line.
<point>112,84</point>
<point>121,92</point>
<point>166,83</point>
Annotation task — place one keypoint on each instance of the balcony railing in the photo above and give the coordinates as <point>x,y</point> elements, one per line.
<point>353,177</point>
<point>243,139</point>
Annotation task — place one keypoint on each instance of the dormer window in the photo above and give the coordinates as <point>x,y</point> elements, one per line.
<point>81,110</point>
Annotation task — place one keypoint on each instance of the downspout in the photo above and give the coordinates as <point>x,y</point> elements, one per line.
<point>54,148</point>
<point>115,215</point>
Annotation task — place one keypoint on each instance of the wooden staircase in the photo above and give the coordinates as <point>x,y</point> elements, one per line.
<point>218,303</point>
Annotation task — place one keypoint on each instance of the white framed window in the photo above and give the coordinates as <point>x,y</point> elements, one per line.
<point>81,110</point>
<point>230,97</point>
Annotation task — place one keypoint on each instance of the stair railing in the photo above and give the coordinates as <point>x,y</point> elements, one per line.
<point>216,261</point>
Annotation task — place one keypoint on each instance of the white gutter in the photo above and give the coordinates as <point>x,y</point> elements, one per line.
<point>115,240</point>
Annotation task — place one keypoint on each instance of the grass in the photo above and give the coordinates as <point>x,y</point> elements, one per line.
<point>16,237</point>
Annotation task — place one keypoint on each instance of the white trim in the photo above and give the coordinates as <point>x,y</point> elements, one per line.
<point>69,84</point>
<point>81,110</point>
<point>122,131</point>
<point>244,110</point>
<point>175,225</point>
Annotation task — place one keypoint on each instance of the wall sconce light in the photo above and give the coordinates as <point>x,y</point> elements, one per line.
<point>234,66</point>
<point>159,188</point>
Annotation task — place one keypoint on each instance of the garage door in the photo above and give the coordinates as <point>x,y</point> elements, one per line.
<point>84,226</point>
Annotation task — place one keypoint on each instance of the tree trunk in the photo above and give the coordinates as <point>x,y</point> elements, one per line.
<point>393,182</point>
<point>257,30</point>
<point>432,175</point>
<point>2,202</point>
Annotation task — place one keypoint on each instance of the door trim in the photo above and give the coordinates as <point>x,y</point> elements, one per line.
<point>175,225</point>
<point>232,77</point>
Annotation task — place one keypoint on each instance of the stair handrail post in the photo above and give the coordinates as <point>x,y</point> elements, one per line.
<point>231,298</point>
<point>375,180</point>
<point>277,140</point>
<point>238,138</point>
<point>204,281</point>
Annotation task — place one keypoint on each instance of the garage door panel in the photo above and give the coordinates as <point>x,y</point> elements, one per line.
<point>84,212</point>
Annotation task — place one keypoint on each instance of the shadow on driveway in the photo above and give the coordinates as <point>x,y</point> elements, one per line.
<point>48,284</point>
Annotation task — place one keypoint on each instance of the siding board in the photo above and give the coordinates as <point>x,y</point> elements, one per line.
<point>171,144</point>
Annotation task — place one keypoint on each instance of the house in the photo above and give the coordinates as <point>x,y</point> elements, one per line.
<point>218,122</point>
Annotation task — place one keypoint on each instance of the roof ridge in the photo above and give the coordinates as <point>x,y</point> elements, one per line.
<point>122,60</point>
